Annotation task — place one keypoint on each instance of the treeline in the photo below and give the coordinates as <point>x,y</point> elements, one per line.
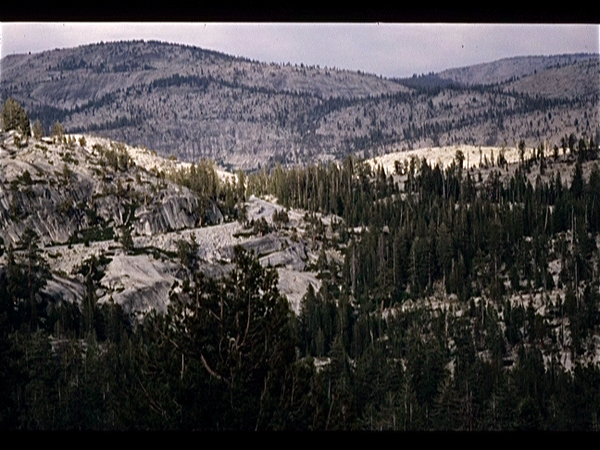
<point>347,190</point>
<point>483,242</point>
<point>230,355</point>
<point>446,225</point>
<point>229,194</point>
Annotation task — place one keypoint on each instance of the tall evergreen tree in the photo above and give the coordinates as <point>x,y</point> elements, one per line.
<point>14,117</point>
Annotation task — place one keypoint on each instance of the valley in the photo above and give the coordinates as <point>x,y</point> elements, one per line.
<point>194,241</point>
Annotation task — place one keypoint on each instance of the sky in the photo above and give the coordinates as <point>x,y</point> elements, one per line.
<point>386,49</point>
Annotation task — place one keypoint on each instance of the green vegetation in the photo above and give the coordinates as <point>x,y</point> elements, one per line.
<point>203,180</point>
<point>462,300</point>
<point>366,351</point>
<point>115,157</point>
<point>14,117</point>
<point>58,132</point>
<point>93,234</point>
<point>37,129</point>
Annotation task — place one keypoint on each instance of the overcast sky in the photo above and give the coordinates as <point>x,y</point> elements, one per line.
<point>388,49</point>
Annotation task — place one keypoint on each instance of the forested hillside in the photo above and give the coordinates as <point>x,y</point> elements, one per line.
<point>194,103</point>
<point>448,299</point>
<point>511,69</point>
<point>144,288</point>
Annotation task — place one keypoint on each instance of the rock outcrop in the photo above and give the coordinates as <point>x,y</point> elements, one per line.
<point>70,193</point>
<point>79,202</point>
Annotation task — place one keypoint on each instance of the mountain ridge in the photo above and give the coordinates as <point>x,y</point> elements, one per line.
<point>194,103</point>
<point>451,288</point>
<point>518,66</point>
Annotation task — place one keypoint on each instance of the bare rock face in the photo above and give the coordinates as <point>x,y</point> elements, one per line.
<point>139,283</point>
<point>79,202</point>
<point>175,212</point>
<point>294,257</point>
<point>60,288</point>
<point>69,193</point>
<point>168,212</point>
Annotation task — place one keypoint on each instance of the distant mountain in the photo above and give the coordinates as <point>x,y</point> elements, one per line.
<point>509,69</point>
<point>193,103</point>
<point>579,79</point>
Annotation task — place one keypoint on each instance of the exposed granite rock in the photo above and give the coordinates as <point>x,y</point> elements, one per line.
<point>66,192</point>
<point>78,204</point>
<point>139,283</point>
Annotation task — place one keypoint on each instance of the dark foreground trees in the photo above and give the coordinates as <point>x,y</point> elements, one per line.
<point>222,358</point>
<point>230,355</point>
<point>235,340</point>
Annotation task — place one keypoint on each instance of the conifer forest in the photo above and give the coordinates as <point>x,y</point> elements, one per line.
<point>435,296</point>
<point>371,349</point>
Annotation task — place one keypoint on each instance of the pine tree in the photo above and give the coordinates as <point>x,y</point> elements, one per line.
<point>58,132</point>
<point>127,239</point>
<point>447,406</point>
<point>37,129</point>
<point>445,250</point>
<point>577,183</point>
<point>14,117</point>
<point>28,273</point>
<point>238,332</point>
